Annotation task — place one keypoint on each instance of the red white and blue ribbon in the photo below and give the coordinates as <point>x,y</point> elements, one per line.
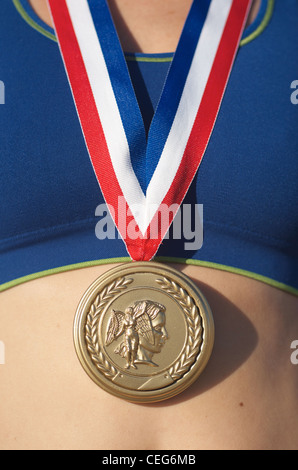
<point>147,171</point>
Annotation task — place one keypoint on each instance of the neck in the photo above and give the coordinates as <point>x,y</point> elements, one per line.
<point>150,26</point>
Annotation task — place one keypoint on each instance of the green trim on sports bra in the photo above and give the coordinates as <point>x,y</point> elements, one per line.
<point>256,33</point>
<point>191,262</point>
<point>131,57</point>
<point>261,28</point>
<point>31,21</point>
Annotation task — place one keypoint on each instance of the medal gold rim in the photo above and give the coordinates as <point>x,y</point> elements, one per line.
<point>137,396</point>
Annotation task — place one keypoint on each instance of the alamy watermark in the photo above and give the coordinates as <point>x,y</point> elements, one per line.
<point>294,95</point>
<point>2,353</point>
<point>2,92</point>
<point>187,223</point>
<point>294,355</point>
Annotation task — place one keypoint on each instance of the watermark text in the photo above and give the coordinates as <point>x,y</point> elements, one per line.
<point>294,95</point>
<point>294,355</point>
<point>2,353</point>
<point>185,222</point>
<point>149,459</point>
<point>2,92</point>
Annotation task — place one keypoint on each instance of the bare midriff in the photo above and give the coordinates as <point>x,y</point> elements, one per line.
<point>245,399</point>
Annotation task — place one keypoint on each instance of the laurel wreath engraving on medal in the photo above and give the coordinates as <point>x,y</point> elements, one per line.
<point>194,328</point>
<point>194,337</point>
<point>93,318</point>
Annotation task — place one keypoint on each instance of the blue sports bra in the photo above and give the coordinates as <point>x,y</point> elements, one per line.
<point>247,182</point>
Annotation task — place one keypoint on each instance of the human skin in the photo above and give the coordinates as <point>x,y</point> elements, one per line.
<point>245,399</point>
<point>149,26</point>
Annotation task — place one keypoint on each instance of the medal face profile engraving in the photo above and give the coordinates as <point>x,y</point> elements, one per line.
<point>145,320</point>
<point>143,332</point>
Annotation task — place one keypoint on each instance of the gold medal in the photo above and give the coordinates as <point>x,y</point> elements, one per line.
<point>143,332</point>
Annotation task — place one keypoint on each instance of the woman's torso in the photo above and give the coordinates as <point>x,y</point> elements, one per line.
<point>246,398</point>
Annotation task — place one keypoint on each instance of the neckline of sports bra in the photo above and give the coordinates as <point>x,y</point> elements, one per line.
<point>254,30</point>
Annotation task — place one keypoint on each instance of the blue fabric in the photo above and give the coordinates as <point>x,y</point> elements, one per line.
<point>148,79</point>
<point>247,181</point>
